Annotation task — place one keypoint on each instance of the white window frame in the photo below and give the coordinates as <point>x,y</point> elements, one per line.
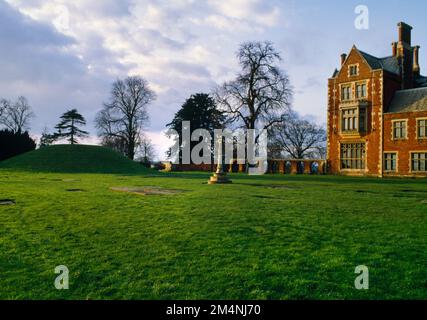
<point>397,161</point>
<point>363,83</point>
<point>357,129</point>
<point>411,153</point>
<point>425,128</point>
<point>363,156</point>
<point>355,65</point>
<point>406,129</point>
<point>350,97</point>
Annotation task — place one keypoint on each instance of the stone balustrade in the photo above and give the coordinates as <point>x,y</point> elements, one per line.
<point>280,166</point>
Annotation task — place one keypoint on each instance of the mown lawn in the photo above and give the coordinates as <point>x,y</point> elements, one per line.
<point>266,237</point>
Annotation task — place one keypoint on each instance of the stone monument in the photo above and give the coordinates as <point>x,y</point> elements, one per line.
<point>219,177</point>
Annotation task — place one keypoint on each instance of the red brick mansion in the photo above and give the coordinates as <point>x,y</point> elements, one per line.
<point>377,113</point>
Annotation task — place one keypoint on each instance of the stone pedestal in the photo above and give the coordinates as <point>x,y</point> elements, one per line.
<point>219,177</point>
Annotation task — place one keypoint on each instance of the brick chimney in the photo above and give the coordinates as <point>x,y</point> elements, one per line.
<point>404,33</point>
<point>416,67</point>
<point>394,49</point>
<point>405,55</point>
<point>343,57</point>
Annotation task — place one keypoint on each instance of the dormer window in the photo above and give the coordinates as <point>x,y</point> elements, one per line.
<point>353,70</point>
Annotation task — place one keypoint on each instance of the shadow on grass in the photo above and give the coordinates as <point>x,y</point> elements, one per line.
<point>241,177</point>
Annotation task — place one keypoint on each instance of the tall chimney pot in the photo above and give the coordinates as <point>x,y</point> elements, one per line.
<point>394,48</point>
<point>416,67</point>
<point>343,57</point>
<point>404,33</point>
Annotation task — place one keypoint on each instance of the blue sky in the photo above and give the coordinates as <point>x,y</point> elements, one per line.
<point>62,54</point>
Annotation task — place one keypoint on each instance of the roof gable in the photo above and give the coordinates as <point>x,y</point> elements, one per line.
<point>353,55</point>
<point>389,64</point>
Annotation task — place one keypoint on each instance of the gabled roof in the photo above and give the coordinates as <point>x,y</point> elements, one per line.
<point>335,73</point>
<point>409,101</point>
<point>389,64</point>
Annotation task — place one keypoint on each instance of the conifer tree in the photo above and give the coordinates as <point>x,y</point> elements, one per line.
<point>68,127</point>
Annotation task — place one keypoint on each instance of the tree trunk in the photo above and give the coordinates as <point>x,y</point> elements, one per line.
<point>131,149</point>
<point>72,131</point>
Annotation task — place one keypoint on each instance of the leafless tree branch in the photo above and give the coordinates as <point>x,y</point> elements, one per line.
<point>123,117</point>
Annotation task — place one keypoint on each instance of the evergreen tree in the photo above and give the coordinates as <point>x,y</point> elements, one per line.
<point>68,126</point>
<point>14,143</point>
<point>201,110</point>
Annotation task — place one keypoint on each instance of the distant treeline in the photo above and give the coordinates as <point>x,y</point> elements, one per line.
<point>14,143</point>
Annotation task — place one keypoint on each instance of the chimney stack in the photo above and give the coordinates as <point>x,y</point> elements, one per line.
<point>405,55</point>
<point>404,33</point>
<point>394,48</point>
<point>416,67</point>
<point>343,57</point>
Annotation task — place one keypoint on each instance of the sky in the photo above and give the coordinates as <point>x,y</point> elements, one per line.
<point>66,54</point>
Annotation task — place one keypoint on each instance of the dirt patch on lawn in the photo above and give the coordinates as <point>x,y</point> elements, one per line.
<point>147,190</point>
<point>7,202</point>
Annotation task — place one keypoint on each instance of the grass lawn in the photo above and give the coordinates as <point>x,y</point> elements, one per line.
<point>265,237</point>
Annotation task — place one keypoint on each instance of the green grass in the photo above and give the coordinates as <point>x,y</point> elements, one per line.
<point>265,237</point>
<point>73,159</point>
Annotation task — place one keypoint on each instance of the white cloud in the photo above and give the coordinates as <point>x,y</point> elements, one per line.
<point>180,47</point>
<point>256,11</point>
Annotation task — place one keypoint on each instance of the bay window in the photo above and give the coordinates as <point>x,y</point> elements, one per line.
<point>353,120</point>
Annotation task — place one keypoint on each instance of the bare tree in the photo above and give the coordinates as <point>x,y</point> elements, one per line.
<point>297,138</point>
<point>146,150</point>
<point>16,116</point>
<point>123,118</point>
<point>3,106</point>
<point>261,93</point>
<point>46,138</point>
<point>116,143</point>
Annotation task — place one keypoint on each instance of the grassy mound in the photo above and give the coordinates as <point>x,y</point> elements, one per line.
<point>73,159</point>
